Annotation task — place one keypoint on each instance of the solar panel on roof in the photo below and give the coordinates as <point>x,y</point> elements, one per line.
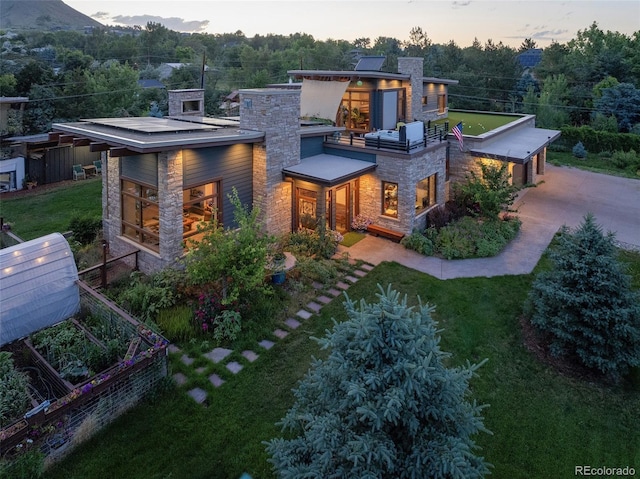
<point>151,125</point>
<point>370,64</point>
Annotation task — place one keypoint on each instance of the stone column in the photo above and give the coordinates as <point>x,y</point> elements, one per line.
<point>276,112</point>
<point>111,202</point>
<point>170,202</point>
<point>413,66</point>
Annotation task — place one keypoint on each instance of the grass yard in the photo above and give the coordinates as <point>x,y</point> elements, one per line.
<point>477,123</point>
<point>45,210</point>
<point>592,162</point>
<point>543,423</point>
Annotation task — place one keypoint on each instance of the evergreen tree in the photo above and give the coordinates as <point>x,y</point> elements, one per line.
<point>383,404</point>
<point>585,303</point>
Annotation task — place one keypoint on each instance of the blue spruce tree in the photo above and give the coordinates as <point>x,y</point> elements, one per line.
<point>383,404</point>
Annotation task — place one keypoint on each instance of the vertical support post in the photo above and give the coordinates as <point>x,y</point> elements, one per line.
<point>103,270</point>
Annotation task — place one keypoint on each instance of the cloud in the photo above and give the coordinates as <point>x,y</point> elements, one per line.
<point>172,23</point>
<point>457,4</point>
<point>101,15</point>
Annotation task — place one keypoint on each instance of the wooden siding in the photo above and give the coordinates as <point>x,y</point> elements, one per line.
<point>57,163</point>
<point>141,168</point>
<point>232,164</point>
<point>311,146</point>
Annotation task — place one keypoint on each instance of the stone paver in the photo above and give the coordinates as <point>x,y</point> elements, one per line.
<point>317,285</point>
<point>216,380</point>
<point>351,279</point>
<point>235,367</point>
<point>173,348</point>
<point>342,285</point>
<point>304,314</point>
<point>266,344</point>
<point>249,355</point>
<point>334,292</point>
<point>179,378</point>
<point>201,370</point>
<point>281,334</point>
<point>292,323</point>
<point>218,354</point>
<point>198,395</point>
<point>366,267</point>
<point>360,273</point>
<point>313,306</point>
<point>323,299</point>
<point>186,360</point>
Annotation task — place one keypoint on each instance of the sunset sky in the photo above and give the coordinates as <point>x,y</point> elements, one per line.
<point>507,21</point>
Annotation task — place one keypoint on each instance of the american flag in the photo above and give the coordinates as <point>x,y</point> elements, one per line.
<point>457,131</point>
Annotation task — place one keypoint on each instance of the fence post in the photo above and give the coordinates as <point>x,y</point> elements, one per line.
<point>104,264</point>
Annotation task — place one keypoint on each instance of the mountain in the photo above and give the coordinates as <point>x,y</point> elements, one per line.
<point>43,15</point>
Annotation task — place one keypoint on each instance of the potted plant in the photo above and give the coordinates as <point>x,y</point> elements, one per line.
<point>278,267</point>
<point>29,182</point>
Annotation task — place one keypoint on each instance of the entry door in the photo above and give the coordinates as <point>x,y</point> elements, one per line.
<point>343,220</point>
<point>307,209</point>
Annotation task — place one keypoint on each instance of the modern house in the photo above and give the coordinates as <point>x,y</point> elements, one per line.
<point>327,148</point>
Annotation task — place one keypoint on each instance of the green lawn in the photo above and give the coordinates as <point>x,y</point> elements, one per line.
<point>44,211</point>
<point>592,162</point>
<point>543,424</point>
<point>477,123</point>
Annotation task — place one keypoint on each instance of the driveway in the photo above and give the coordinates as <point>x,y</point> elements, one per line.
<point>564,197</point>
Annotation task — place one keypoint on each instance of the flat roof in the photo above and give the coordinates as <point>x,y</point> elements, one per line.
<point>149,134</point>
<point>328,170</point>
<point>517,146</point>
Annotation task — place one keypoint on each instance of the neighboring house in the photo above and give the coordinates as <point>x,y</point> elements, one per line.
<point>150,83</point>
<point>336,145</point>
<point>165,69</point>
<point>11,109</point>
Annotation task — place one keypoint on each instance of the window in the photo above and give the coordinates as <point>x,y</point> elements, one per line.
<point>390,199</point>
<point>199,204</point>
<point>426,193</point>
<point>442,103</point>
<point>140,214</point>
<point>354,111</point>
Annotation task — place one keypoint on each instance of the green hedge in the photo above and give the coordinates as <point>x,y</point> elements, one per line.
<point>596,141</point>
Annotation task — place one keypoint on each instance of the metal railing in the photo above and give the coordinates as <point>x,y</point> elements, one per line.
<point>432,134</point>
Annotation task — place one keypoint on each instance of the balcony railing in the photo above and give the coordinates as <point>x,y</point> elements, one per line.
<point>432,134</point>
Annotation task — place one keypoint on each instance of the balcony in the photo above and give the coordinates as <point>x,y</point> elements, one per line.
<point>432,135</point>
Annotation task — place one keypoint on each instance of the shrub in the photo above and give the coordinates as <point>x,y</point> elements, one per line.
<point>226,325</point>
<point>579,151</point>
<point>623,160</point>
<point>585,304</point>
<point>216,317</point>
<point>416,241</point>
<point>316,269</point>
<point>486,195</point>
<point>321,242</point>
<point>360,223</point>
<point>147,295</point>
<point>85,229</point>
<point>176,323</point>
<point>457,240</point>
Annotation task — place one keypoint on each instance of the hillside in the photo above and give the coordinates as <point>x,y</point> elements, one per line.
<point>44,15</point>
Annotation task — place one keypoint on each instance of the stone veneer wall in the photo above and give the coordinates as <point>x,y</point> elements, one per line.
<point>414,67</point>
<point>170,204</point>
<point>407,171</point>
<point>276,112</point>
<point>178,97</point>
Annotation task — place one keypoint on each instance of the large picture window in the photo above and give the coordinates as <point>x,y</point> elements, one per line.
<point>354,112</point>
<point>199,204</point>
<point>140,214</point>
<point>426,193</point>
<point>390,199</point>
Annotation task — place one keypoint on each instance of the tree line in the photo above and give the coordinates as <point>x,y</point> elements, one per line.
<point>591,80</point>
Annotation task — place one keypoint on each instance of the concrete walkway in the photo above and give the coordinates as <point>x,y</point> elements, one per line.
<point>564,197</point>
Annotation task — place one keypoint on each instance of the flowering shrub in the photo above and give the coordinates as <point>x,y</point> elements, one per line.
<point>360,223</point>
<point>223,321</point>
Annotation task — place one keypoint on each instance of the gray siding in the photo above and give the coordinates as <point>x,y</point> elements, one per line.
<point>311,146</point>
<point>142,168</point>
<point>354,155</point>
<point>232,164</point>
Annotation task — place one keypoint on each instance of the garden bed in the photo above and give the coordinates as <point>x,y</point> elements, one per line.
<point>83,373</point>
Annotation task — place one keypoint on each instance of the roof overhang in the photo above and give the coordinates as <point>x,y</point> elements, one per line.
<point>328,170</point>
<point>349,75</point>
<point>518,146</point>
<point>152,135</point>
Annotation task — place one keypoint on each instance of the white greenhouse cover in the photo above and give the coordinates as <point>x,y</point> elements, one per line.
<point>38,286</point>
<point>321,99</point>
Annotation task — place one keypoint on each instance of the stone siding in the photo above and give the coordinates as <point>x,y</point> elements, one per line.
<point>275,112</point>
<point>413,67</point>
<point>177,98</point>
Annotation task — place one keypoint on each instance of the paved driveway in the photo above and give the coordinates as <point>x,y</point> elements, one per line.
<point>564,197</point>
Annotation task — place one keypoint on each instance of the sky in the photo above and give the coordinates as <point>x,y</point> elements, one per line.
<point>506,21</point>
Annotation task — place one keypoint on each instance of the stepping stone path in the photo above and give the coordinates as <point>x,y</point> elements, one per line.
<point>218,355</point>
